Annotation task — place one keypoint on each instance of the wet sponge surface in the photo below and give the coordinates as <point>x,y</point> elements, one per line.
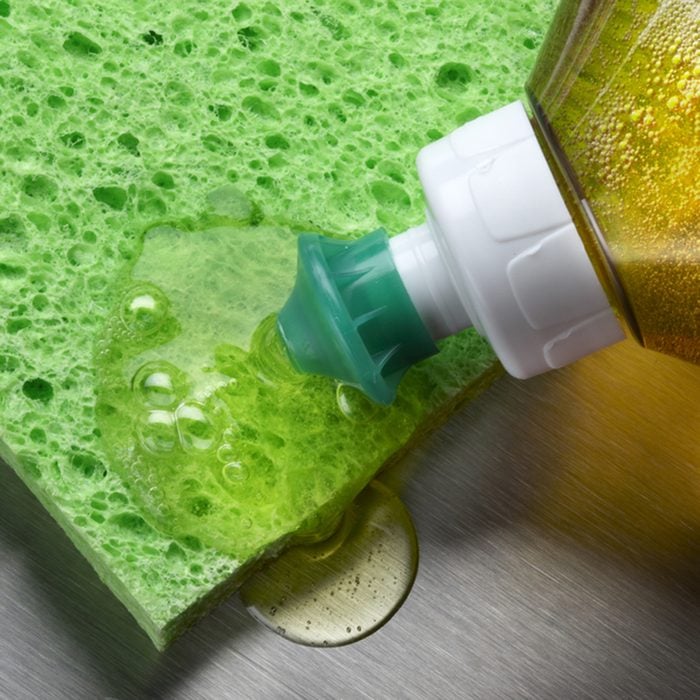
<point>119,117</point>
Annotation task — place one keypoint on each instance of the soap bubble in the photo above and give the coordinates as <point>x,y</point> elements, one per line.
<point>157,432</point>
<point>194,429</point>
<point>158,384</point>
<point>144,309</point>
<point>354,405</point>
<point>225,453</point>
<point>234,472</point>
<point>269,356</point>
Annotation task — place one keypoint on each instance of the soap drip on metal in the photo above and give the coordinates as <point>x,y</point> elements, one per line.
<point>344,588</point>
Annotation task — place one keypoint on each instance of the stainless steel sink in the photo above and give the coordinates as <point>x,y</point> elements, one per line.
<point>559,522</point>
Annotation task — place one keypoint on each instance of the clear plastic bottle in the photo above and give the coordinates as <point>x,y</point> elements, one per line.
<point>616,94</point>
<point>549,234</point>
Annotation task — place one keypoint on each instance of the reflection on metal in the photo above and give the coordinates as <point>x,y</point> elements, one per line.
<point>346,587</point>
<point>559,525</point>
<point>629,483</point>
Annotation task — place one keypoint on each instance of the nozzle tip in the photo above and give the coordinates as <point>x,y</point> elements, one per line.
<point>350,317</point>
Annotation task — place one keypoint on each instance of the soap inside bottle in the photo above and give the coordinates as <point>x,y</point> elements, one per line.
<point>616,94</point>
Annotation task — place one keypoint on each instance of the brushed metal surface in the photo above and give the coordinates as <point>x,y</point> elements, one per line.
<point>559,522</point>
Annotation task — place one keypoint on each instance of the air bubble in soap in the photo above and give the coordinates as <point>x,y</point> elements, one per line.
<point>194,428</point>
<point>157,384</point>
<point>144,309</point>
<point>157,432</point>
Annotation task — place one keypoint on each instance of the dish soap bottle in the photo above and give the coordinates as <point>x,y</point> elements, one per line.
<point>549,235</point>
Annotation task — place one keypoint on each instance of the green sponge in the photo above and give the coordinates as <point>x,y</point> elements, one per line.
<point>223,129</point>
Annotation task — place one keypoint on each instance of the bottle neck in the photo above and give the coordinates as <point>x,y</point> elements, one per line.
<point>428,281</point>
<point>500,250</point>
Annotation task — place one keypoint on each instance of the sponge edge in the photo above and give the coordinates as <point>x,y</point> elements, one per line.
<point>116,119</point>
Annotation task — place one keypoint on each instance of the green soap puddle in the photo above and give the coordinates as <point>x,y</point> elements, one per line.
<point>219,438</point>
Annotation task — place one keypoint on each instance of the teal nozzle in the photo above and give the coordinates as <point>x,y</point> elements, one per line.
<point>350,316</point>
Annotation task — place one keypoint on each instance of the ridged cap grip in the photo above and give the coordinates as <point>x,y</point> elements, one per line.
<point>350,316</point>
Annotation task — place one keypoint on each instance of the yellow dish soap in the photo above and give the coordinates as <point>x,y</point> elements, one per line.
<point>616,91</point>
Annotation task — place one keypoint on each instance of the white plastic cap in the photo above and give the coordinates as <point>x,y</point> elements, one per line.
<point>500,251</point>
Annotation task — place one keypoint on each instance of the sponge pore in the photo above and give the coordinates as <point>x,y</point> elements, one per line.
<point>118,117</point>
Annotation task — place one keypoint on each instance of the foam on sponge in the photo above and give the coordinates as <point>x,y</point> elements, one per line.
<point>243,123</point>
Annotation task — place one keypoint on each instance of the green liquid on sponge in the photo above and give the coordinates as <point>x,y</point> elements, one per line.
<point>201,412</point>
